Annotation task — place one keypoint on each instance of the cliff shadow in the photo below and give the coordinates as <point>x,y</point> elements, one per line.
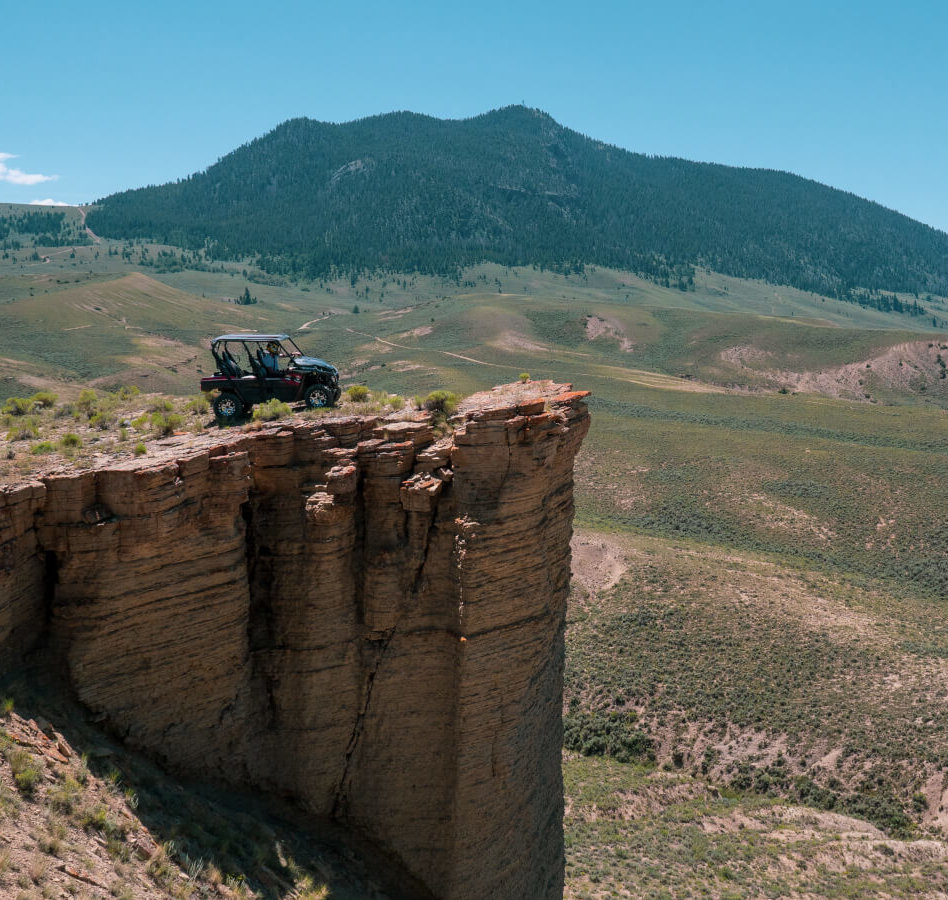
<point>116,808</point>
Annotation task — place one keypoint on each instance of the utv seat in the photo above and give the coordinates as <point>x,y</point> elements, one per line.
<point>229,365</point>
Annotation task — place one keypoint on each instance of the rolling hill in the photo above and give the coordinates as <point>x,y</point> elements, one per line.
<point>128,330</point>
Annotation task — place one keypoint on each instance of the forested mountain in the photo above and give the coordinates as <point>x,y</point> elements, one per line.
<point>409,192</point>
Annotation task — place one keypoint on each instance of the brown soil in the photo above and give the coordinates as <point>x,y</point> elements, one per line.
<point>909,368</point>
<point>598,562</point>
<point>510,340</point>
<point>598,327</point>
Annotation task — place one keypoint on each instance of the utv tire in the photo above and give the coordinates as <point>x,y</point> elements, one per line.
<point>227,408</point>
<point>316,397</point>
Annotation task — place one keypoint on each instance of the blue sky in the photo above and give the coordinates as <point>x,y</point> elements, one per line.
<point>103,96</point>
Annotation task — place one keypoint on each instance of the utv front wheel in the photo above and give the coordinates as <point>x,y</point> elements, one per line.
<point>227,408</point>
<point>316,397</point>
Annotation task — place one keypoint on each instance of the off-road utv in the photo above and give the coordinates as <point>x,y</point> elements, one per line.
<point>254,368</point>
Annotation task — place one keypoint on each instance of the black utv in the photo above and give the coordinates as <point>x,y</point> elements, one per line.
<point>254,368</point>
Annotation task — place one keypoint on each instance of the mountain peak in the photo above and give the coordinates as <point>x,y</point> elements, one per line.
<point>514,186</point>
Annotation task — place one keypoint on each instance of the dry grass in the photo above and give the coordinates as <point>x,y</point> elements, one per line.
<point>111,824</point>
<point>98,427</point>
<point>634,832</point>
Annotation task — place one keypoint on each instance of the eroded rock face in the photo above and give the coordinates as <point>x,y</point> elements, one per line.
<point>351,613</point>
<point>22,571</point>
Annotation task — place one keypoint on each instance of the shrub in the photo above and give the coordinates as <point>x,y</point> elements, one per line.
<point>140,449</point>
<point>524,377</point>
<point>87,401</point>
<point>358,393</point>
<point>883,811</point>
<point>17,406</point>
<point>42,448</point>
<point>95,818</point>
<point>38,868</point>
<point>25,431</point>
<point>441,402</point>
<point>101,420</point>
<point>271,410</point>
<point>65,797</point>
<point>601,734</point>
<point>44,399</point>
<point>27,772</point>
<point>70,439</point>
<point>126,393</point>
<point>165,423</point>
<point>198,405</point>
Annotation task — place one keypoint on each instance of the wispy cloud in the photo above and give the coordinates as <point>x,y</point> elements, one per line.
<point>17,176</point>
<point>50,202</point>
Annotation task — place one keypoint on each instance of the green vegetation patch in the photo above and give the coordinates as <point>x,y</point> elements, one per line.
<point>647,833</point>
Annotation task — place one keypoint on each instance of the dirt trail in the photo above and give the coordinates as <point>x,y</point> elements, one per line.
<point>479,362</point>
<point>95,238</point>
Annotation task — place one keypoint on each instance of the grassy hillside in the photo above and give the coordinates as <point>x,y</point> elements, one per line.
<point>131,330</point>
<point>81,816</point>
<point>757,639</point>
<point>24,227</point>
<point>641,831</point>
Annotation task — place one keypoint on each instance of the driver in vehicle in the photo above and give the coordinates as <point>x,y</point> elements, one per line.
<point>270,359</point>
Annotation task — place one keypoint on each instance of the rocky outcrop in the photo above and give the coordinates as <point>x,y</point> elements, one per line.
<point>350,612</point>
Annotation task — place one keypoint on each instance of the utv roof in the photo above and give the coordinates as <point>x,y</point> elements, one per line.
<point>251,337</point>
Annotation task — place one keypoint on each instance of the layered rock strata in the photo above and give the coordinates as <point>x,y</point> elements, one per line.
<point>349,612</point>
<point>23,590</point>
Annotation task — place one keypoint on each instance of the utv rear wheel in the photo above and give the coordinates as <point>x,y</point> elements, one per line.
<point>316,397</point>
<point>227,408</point>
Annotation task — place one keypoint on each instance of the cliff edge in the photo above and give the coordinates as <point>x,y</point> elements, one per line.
<point>352,613</point>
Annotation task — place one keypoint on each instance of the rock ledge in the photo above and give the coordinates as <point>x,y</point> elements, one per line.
<point>353,613</point>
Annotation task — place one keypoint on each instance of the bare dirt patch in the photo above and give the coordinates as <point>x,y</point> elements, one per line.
<point>788,518</point>
<point>394,313</point>
<point>744,354</point>
<point>598,562</point>
<point>511,340</point>
<point>657,380</point>
<point>913,367</point>
<point>598,327</point>
<point>420,331</point>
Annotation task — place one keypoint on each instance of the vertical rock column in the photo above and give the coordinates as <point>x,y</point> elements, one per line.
<point>400,768</point>
<point>456,768</point>
<point>22,571</point>
<point>349,613</point>
<point>305,632</point>
<point>513,481</point>
<point>150,608</point>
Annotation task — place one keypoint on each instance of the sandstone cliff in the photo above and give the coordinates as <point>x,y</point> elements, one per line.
<point>348,612</point>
